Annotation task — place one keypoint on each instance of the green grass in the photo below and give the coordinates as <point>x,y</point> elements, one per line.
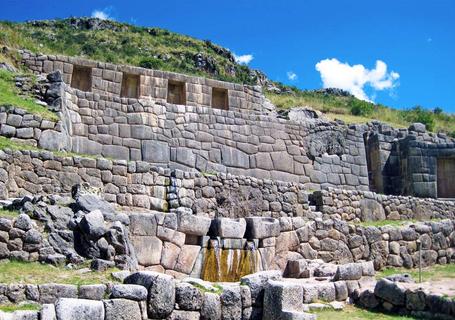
<point>9,96</point>
<point>4,213</point>
<point>37,273</point>
<point>20,307</point>
<point>353,313</point>
<point>435,272</point>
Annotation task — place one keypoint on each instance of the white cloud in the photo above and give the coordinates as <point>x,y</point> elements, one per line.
<point>243,59</point>
<point>354,79</point>
<point>292,75</point>
<point>104,14</point>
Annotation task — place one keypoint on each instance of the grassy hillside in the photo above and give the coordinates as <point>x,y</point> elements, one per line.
<point>337,104</point>
<point>122,43</point>
<point>156,48</point>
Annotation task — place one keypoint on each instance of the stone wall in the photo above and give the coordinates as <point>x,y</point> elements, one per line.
<point>407,299</point>
<point>106,80</point>
<point>17,124</point>
<point>197,137</point>
<point>404,161</point>
<point>356,206</point>
<point>21,239</point>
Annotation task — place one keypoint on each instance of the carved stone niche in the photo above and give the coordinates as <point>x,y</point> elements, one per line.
<point>176,93</point>
<point>220,98</point>
<point>130,85</point>
<point>82,78</point>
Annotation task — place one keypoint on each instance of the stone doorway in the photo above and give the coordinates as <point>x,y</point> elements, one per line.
<point>220,98</point>
<point>445,176</point>
<point>130,85</point>
<point>176,92</point>
<point>81,78</point>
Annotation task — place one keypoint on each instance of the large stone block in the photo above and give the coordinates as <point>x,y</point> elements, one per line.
<point>148,249</point>
<point>231,157</point>
<point>187,258</point>
<point>52,140</point>
<point>193,225</point>
<point>155,151</point>
<point>257,282</point>
<point>79,309</point>
<point>161,298</point>
<point>211,307</point>
<point>129,291</point>
<point>143,224</point>
<point>390,292</point>
<point>231,303</point>
<point>49,293</point>
<point>261,227</point>
<point>188,297</point>
<point>122,309</point>
<point>282,297</point>
<point>371,210</point>
<point>228,228</point>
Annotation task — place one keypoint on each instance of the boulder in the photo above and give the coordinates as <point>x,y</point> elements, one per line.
<point>79,309</point>
<point>371,210</point>
<point>231,303</point>
<point>349,271</point>
<point>417,127</point>
<point>262,227</point>
<point>23,222</point>
<point>211,306</point>
<point>161,292</point>
<point>92,225</point>
<point>90,202</point>
<point>188,297</point>
<point>297,269</point>
<point>390,292</point>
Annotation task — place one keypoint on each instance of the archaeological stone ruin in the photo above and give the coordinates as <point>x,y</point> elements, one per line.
<point>213,204</point>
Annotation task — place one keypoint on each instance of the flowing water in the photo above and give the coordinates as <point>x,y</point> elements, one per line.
<point>229,265</point>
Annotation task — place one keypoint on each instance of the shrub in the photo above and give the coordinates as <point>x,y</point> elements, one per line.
<point>420,114</point>
<point>151,63</point>
<point>437,110</point>
<point>361,108</point>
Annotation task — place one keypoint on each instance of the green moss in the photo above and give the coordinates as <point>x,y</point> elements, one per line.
<point>9,96</point>
<point>37,273</point>
<point>20,307</point>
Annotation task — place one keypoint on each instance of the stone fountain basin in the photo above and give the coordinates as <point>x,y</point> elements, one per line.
<point>228,228</point>
<point>262,227</point>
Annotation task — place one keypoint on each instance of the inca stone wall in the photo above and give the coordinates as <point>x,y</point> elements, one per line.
<point>351,205</point>
<point>106,80</point>
<point>404,161</point>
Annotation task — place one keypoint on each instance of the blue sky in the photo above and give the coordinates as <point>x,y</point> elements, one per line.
<point>307,43</point>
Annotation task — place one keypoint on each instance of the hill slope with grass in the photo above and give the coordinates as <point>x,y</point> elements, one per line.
<point>156,48</point>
